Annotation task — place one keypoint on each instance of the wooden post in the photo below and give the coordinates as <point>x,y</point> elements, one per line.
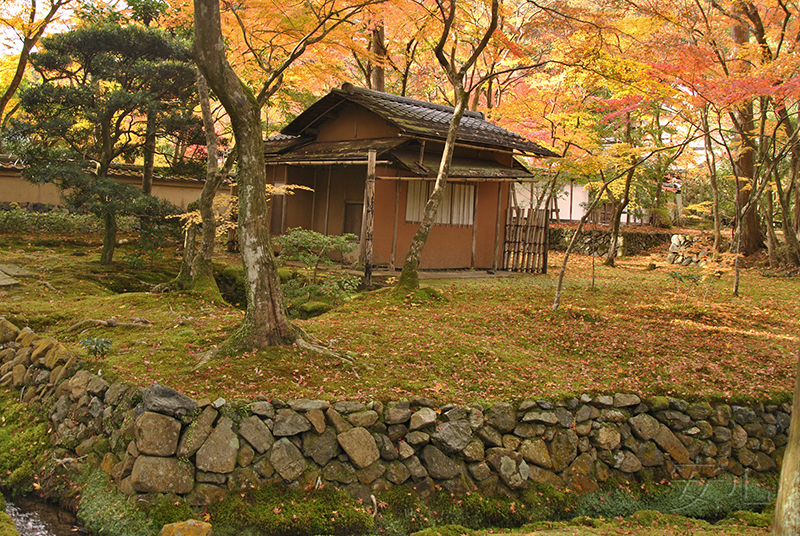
<point>498,222</point>
<point>327,200</point>
<point>474,225</point>
<point>397,191</point>
<point>369,216</point>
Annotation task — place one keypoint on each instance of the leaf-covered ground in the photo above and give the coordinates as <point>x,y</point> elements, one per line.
<point>488,338</point>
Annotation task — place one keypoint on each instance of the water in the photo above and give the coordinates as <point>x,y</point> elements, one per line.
<point>34,518</point>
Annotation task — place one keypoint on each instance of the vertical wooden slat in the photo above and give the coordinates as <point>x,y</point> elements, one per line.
<point>525,247</point>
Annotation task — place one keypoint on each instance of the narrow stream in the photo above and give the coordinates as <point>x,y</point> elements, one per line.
<point>34,518</point>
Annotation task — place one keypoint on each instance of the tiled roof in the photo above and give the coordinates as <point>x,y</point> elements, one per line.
<point>416,118</point>
<point>130,171</point>
<point>10,162</point>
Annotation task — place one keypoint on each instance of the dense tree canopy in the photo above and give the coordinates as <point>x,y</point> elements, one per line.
<point>97,85</point>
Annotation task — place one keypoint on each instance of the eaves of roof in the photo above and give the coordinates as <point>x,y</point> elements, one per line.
<point>338,150</point>
<point>460,168</point>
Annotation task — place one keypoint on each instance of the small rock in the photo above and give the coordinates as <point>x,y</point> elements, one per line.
<point>422,419</point>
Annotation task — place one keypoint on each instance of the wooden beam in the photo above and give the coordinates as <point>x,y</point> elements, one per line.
<point>474,226</point>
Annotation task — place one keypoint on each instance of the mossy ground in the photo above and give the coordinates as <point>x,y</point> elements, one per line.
<point>629,329</point>
<point>460,339</point>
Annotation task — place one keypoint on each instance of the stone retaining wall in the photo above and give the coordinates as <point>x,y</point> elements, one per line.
<point>159,440</point>
<point>597,241</point>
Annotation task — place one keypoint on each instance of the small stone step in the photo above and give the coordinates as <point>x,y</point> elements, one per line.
<point>12,270</point>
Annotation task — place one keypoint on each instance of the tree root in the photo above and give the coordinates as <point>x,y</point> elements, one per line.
<point>47,285</point>
<point>319,349</point>
<point>109,323</point>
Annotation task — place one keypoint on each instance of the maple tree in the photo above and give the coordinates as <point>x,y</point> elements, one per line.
<point>456,70</point>
<point>27,22</point>
<point>735,63</point>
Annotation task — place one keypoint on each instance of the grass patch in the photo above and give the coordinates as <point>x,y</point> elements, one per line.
<point>278,511</point>
<point>24,445</point>
<point>105,511</point>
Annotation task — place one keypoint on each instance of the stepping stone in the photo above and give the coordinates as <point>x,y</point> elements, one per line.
<point>6,281</point>
<point>13,270</point>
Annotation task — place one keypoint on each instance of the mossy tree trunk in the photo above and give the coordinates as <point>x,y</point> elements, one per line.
<point>787,505</point>
<point>109,237</point>
<point>265,322</point>
<point>409,276</point>
<point>202,271</point>
<point>184,278</point>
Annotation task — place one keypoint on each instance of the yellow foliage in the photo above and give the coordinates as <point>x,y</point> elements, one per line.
<point>226,208</point>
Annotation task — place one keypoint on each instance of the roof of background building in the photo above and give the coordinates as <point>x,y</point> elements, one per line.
<point>413,118</point>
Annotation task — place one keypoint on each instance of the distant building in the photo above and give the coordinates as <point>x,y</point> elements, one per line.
<point>327,147</point>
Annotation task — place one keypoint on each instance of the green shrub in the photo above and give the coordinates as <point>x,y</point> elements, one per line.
<point>661,218</point>
<point>607,503</point>
<point>57,222</point>
<point>711,499</point>
<point>313,249</point>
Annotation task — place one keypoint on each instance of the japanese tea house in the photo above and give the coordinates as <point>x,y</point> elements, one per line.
<point>327,148</point>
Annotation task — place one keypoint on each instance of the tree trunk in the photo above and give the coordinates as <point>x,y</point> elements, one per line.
<point>772,240</point>
<point>202,272</point>
<point>711,163</point>
<point>379,50</point>
<point>563,271</point>
<point>149,150</point>
<point>797,204</point>
<point>789,230</point>
<point>109,238</point>
<point>184,278</point>
<point>619,208</point>
<point>409,276</point>
<point>265,322</point>
<point>750,237</point>
<point>622,204</point>
<point>787,505</point>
